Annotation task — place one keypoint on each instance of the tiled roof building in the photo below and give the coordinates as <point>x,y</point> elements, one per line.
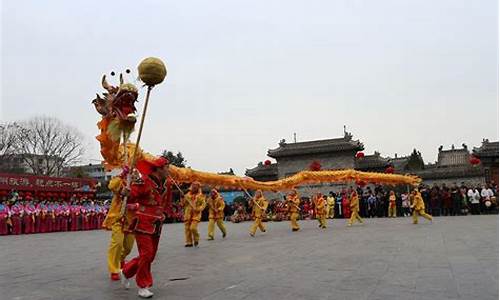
<point>372,163</point>
<point>340,153</point>
<point>488,154</point>
<point>343,144</point>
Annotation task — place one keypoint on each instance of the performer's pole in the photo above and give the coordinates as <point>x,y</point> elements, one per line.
<point>250,196</point>
<point>141,126</point>
<point>125,159</point>
<point>175,183</point>
<point>134,155</point>
<point>178,187</point>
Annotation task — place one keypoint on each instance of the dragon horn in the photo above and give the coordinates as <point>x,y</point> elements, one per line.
<point>105,83</point>
<point>121,78</point>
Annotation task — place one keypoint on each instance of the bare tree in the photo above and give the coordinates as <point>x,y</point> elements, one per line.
<point>47,145</point>
<point>8,138</point>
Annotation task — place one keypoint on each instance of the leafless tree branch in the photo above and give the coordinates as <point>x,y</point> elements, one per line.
<point>48,146</point>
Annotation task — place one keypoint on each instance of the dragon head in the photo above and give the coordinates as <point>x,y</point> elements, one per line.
<point>118,102</point>
<point>117,107</point>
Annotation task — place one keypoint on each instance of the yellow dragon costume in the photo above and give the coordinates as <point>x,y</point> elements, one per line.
<point>117,108</point>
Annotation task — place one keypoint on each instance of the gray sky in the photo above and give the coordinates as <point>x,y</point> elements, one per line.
<point>244,74</point>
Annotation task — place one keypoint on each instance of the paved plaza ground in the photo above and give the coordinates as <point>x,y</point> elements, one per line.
<point>453,258</point>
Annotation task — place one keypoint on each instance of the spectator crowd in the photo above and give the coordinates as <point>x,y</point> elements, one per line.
<point>376,202</point>
<point>27,215</point>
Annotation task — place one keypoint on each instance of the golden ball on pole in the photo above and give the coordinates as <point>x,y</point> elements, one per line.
<point>152,71</point>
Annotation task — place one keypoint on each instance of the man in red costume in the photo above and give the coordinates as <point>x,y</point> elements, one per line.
<point>149,198</point>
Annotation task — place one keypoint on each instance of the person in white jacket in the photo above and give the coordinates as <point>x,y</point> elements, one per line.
<point>474,199</point>
<point>486,194</point>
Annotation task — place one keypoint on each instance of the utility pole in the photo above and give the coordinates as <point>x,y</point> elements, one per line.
<point>295,137</point>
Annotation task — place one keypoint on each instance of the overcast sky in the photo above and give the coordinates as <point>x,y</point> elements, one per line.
<point>244,74</point>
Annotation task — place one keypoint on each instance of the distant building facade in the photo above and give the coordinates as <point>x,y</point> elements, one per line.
<point>96,172</point>
<point>47,165</point>
<point>336,153</point>
<point>452,166</point>
<point>488,154</point>
<point>291,158</point>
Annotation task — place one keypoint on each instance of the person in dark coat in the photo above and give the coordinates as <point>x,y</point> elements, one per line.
<point>446,200</point>
<point>435,201</point>
<point>426,195</point>
<point>456,199</point>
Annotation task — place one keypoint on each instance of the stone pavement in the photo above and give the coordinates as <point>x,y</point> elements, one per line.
<point>453,258</point>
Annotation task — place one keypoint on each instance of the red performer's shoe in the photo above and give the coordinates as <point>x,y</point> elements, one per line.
<point>115,276</point>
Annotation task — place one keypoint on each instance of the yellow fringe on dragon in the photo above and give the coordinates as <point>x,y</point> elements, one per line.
<point>301,178</point>
<point>187,175</point>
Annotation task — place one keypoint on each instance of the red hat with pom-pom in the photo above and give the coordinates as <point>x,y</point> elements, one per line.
<point>146,166</point>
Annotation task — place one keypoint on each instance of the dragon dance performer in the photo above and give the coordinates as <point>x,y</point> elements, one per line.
<point>150,196</point>
<point>215,214</point>
<point>354,206</point>
<point>392,204</point>
<point>259,206</point>
<point>418,206</point>
<point>321,209</point>
<point>121,242</point>
<point>293,202</point>
<point>193,203</point>
<point>330,201</point>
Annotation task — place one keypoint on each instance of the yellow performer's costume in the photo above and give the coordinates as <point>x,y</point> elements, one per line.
<point>215,214</point>
<point>418,207</point>
<point>294,209</point>
<point>321,210</point>
<point>259,206</point>
<point>392,205</point>
<point>193,203</point>
<point>354,209</point>
<point>330,201</point>
<point>121,242</point>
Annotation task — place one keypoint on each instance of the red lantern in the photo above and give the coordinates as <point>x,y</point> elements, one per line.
<point>389,170</point>
<point>315,166</point>
<point>267,162</point>
<point>474,160</point>
<point>360,154</point>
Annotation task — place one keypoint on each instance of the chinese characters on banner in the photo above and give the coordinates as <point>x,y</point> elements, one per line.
<point>44,183</point>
